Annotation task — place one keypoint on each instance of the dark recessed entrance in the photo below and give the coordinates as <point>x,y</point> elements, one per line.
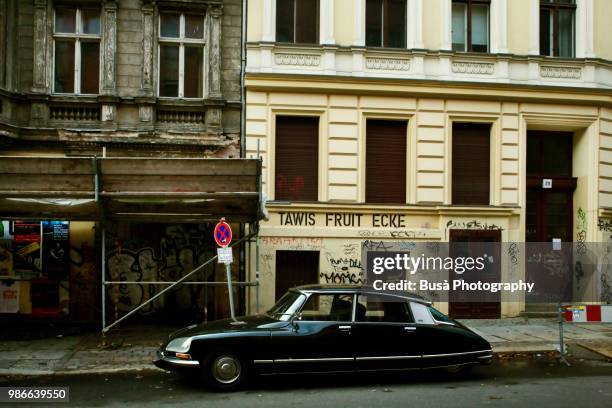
<point>295,268</point>
<point>474,243</point>
<point>550,205</point>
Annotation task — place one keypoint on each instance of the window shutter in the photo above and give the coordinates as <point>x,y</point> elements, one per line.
<point>471,167</point>
<point>386,161</point>
<point>297,158</point>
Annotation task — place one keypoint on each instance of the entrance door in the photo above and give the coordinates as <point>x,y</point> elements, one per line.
<point>295,268</point>
<point>549,218</point>
<point>476,305</point>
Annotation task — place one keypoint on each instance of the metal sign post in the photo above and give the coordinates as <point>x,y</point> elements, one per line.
<point>561,316</point>
<point>223,237</point>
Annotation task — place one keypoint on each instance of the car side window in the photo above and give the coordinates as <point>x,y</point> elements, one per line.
<point>374,308</point>
<point>421,313</point>
<point>439,316</point>
<point>328,308</point>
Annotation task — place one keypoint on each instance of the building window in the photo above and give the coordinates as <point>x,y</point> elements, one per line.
<point>557,28</point>
<point>470,25</point>
<point>297,158</point>
<point>386,23</point>
<point>297,21</point>
<point>471,163</point>
<point>76,48</point>
<point>385,161</point>
<point>181,55</point>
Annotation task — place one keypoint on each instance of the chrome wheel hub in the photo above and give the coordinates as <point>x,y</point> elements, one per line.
<point>226,369</point>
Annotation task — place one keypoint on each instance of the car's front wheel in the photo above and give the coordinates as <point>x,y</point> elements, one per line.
<point>225,371</point>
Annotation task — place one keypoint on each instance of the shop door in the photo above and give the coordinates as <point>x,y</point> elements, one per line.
<point>295,268</point>
<point>476,305</point>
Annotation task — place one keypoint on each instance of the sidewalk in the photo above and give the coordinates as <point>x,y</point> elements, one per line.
<point>133,349</point>
<point>522,335</point>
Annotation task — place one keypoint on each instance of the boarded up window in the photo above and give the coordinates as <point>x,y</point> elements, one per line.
<point>386,161</point>
<point>297,158</point>
<point>471,163</point>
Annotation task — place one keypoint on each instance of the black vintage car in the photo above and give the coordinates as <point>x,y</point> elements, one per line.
<point>318,328</point>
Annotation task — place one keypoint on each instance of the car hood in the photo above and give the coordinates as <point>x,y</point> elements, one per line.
<point>241,324</point>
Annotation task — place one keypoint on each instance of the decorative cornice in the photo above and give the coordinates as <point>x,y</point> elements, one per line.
<point>562,72</point>
<point>388,64</point>
<point>309,60</point>
<point>477,68</point>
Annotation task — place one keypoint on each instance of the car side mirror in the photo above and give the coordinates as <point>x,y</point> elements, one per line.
<point>296,318</point>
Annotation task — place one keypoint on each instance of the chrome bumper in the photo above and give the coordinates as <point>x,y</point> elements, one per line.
<point>170,362</point>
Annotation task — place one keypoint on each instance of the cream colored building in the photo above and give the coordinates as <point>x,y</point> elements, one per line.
<point>510,86</point>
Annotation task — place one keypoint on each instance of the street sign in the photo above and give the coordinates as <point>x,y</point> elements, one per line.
<point>223,233</point>
<point>224,255</point>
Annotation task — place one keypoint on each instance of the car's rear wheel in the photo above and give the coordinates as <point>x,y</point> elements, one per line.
<point>225,371</point>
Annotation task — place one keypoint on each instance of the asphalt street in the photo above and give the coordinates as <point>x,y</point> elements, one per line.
<point>541,382</point>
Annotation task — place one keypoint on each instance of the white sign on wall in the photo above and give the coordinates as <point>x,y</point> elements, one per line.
<point>9,298</point>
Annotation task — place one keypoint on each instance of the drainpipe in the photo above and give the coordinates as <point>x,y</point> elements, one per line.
<point>243,33</point>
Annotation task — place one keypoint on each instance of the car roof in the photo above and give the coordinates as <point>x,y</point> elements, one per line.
<point>363,289</point>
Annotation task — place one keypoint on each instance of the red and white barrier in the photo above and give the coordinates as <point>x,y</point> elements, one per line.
<point>588,313</point>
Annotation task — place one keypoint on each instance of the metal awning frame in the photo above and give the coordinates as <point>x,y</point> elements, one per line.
<point>98,200</point>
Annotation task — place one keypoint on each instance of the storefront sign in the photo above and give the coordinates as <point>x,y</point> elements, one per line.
<point>311,219</point>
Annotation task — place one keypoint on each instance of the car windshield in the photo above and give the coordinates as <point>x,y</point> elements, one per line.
<point>286,305</point>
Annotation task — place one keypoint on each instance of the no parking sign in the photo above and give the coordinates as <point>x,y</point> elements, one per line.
<point>223,237</point>
<point>223,233</point>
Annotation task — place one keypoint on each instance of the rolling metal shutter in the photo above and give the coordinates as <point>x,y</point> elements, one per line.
<point>386,161</point>
<point>297,158</point>
<point>471,163</point>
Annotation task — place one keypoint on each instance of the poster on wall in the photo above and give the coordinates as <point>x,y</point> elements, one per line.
<point>6,250</point>
<point>55,249</point>
<point>26,247</point>
<point>9,297</point>
<point>6,258</point>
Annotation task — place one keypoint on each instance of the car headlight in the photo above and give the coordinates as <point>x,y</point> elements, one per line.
<point>179,345</point>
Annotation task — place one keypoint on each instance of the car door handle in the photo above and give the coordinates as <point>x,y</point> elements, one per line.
<point>409,329</point>
<point>344,328</point>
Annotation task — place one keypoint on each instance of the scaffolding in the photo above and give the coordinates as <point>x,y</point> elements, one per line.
<point>136,189</point>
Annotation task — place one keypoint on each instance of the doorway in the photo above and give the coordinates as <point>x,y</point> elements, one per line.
<point>475,243</point>
<point>549,217</point>
<point>295,268</point>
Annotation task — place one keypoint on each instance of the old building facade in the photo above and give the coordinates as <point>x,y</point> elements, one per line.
<point>105,78</point>
<point>414,120</point>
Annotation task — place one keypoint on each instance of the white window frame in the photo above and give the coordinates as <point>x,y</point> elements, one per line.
<point>77,36</point>
<point>465,28</point>
<point>181,41</point>
<point>414,24</point>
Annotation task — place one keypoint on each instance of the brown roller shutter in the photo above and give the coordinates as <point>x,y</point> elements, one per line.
<point>297,158</point>
<point>471,163</point>
<point>386,161</point>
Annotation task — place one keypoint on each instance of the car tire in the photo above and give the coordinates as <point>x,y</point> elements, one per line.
<point>225,371</point>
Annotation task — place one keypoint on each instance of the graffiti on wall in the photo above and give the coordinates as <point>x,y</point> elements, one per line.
<point>342,270</point>
<point>181,248</point>
<point>474,224</point>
